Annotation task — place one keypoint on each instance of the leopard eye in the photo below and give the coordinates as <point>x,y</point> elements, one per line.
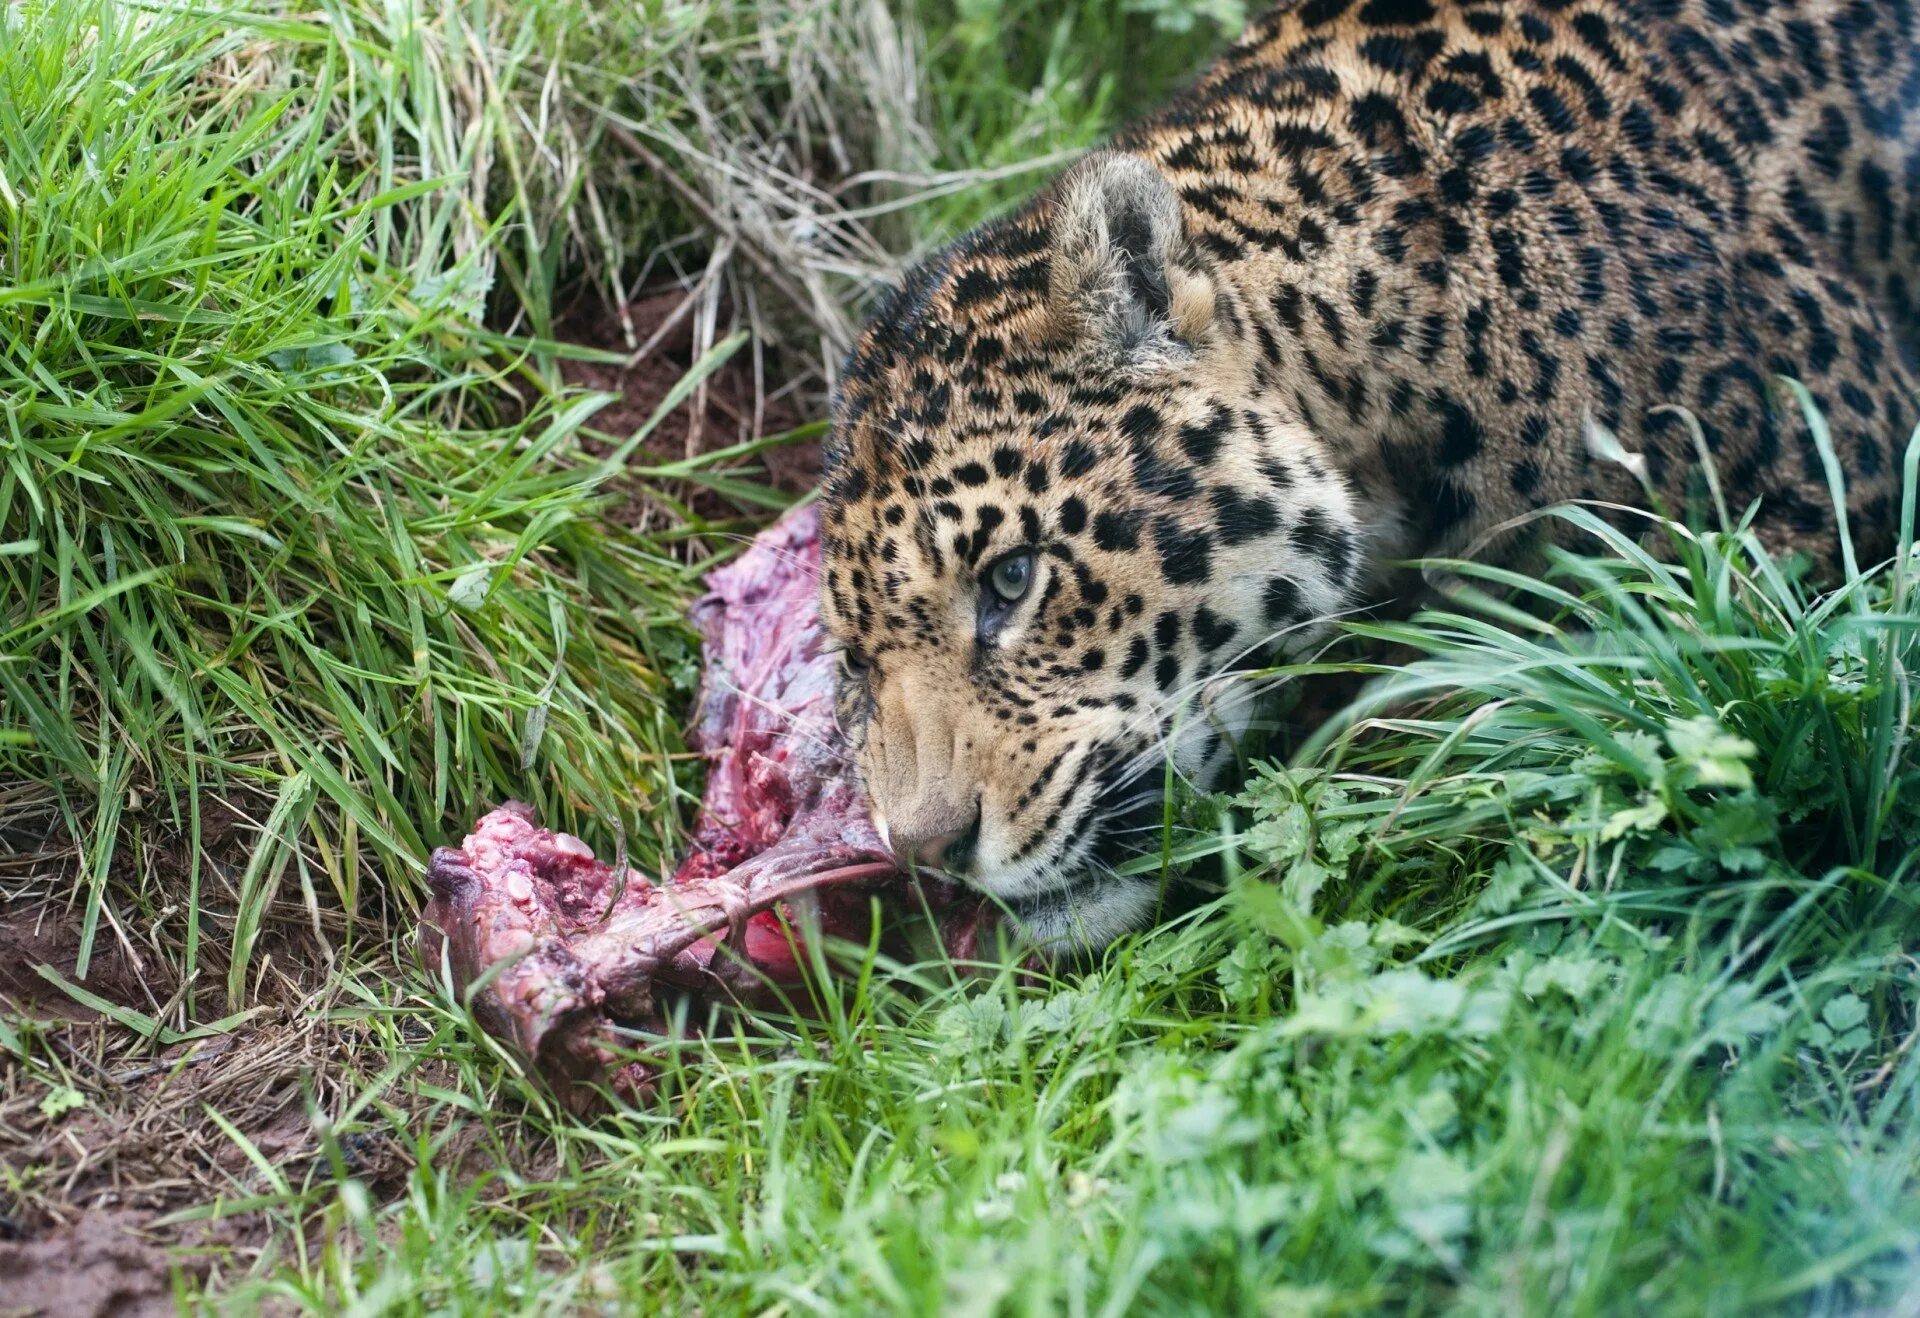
<point>1011,576</point>
<point>854,664</point>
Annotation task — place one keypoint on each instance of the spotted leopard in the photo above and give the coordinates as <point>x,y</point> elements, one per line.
<point>1367,291</point>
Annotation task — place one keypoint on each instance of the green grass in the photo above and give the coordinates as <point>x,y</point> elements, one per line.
<point>288,528</point>
<point>1586,988</point>
<point>1569,971</point>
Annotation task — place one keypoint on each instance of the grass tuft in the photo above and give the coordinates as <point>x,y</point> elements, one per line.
<point>301,550</point>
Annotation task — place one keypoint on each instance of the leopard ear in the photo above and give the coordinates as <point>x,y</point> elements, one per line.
<point>1122,269</point>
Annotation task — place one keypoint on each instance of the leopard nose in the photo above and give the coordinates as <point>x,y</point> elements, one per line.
<point>950,851</point>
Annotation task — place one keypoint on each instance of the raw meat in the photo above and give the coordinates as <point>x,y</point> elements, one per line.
<point>579,957</point>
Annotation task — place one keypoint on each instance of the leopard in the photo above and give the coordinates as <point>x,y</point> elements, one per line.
<point>1390,279</point>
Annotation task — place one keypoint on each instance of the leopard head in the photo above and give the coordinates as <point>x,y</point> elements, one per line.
<point>1063,503</point>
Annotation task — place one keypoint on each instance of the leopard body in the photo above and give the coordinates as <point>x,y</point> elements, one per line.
<point>1377,286</point>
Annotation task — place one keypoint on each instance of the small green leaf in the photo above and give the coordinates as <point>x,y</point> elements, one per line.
<point>1649,814</point>
<point>1852,1041</point>
<point>1717,757</point>
<point>60,1100</point>
<point>469,590</point>
<point>1844,1012</point>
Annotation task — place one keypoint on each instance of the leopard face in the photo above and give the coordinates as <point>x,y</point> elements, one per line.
<point>1061,509</point>
<point>1367,291</point>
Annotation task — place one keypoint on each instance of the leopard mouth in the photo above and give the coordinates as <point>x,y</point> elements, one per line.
<point>1086,900</point>
<point>1120,821</point>
<point>1135,821</point>
<point>1126,817</point>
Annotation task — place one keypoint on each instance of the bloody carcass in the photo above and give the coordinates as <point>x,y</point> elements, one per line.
<point>574,962</point>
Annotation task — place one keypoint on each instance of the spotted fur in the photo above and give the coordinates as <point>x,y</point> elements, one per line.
<point>1359,294</point>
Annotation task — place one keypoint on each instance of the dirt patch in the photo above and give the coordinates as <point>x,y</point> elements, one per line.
<point>43,935</point>
<point>735,404</point>
<point>102,1264</point>
<point>104,1130</point>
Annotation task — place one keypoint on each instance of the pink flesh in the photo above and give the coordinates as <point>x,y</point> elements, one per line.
<point>577,955</point>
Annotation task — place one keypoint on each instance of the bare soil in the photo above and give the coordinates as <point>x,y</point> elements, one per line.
<point>102,1264</point>
<point>731,407</point>
<point>105,1132</point>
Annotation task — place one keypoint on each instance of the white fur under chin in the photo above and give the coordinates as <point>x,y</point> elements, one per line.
<point>1088,917</point>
